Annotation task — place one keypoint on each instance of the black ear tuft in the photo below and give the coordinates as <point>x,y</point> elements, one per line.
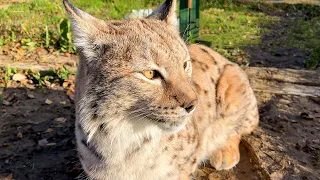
<point>166,12</point>
<point>75,13</point>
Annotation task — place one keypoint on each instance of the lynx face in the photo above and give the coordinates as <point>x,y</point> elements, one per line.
<point>140,68</point>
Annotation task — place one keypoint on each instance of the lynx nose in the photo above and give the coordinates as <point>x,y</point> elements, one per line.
<point>189,107</point>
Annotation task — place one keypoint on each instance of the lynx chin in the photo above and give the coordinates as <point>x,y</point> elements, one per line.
<point>148,106</point>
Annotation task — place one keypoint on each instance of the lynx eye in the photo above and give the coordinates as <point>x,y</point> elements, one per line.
<point>186,65</point>
<point>152,74</point>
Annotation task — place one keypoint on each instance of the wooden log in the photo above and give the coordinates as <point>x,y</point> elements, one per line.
<point>284,81</point>
<point>269,80</point>
<point>302,77</point>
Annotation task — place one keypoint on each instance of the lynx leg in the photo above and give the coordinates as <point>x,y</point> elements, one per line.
<point>227,156</point>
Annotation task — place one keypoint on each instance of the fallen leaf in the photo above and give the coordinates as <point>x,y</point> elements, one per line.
<point>71,78</point>
<point>31,96</point>
<point>48,101</point>
<point>51,144</point>
<point>6,103</point>
<point>19,77</point>
<point>10,97</point>
<point>65,84</point>
<point>19,135</point>
<point>70,94</point>
<point>43,142</point>
<point>61,120</point>
<point>9,177</point>
<point>63,102</point>
<point>49,130</point>
<point>4,145</point>
<point>47,83</point>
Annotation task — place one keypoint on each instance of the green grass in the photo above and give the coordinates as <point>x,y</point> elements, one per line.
<point>314,59</point>
<point>43,23</point>
<point>229,27</point>
<point>306,33</point>
<point>32,24</point>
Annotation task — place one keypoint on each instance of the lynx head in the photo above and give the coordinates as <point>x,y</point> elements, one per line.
<point>137,70</point>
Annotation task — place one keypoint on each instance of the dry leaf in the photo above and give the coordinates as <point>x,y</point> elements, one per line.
<point>49,130</point>
<point>51,144</point>
<point>61,120</point>
<point>19,135</point>
<point>65,84</point>
<point>63,102</point>
<point>70,93</point>
<point>10,97</point>
<point>19,77</point>
<point>48,101</point>
<point>6,103</point>
<point>43,142</point>
<point>31,96</point>
<point>9,177</point>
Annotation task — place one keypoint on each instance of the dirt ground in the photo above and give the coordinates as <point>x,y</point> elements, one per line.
<point>37,139</point>
<point>37,130</point>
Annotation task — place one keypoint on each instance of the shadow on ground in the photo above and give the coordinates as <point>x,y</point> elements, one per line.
<point>278,47</point>
<point>36,137</point>
<point>287,140</point>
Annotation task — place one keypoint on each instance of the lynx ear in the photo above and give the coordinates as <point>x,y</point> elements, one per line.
<point>83,25</point>
<point>166,12</point>
<point>75,13</point>
<point>87,31</point>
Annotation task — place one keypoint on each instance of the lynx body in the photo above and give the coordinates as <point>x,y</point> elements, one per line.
<point>150,107</point>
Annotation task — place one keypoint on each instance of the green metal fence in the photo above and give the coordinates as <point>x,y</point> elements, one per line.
<point>189,19</point>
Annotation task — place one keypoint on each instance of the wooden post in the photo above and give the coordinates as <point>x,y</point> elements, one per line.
<point>189,4</point>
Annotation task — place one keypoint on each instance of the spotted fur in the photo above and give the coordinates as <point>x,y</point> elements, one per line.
<point>129,127</point>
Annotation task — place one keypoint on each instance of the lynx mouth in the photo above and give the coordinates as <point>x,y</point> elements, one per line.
<point>171,126</point>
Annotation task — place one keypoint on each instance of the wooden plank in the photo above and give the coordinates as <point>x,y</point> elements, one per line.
<point>302,77</point>
<point>284,81</point>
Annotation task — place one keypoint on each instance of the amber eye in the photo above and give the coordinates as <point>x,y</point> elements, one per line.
<point>152,74</point>
<point>186,65</point>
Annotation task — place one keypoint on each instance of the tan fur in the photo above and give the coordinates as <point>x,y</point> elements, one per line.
<point>131,127</point>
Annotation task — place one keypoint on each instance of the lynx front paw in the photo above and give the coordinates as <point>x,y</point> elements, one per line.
<point>228,156</point>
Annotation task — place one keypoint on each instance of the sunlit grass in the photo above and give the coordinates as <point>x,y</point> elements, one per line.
<point>231,28</point>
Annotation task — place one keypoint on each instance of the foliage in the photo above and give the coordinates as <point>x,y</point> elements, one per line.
<point>227,25</point>
<point>65,40</point>
<point>8,73</point>
<point>314,59</point>
<point>63,73</point>
<point>44,23</point>
<point>59,76</point>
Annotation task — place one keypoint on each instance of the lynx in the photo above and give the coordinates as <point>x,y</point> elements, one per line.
<point>150,107</point>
